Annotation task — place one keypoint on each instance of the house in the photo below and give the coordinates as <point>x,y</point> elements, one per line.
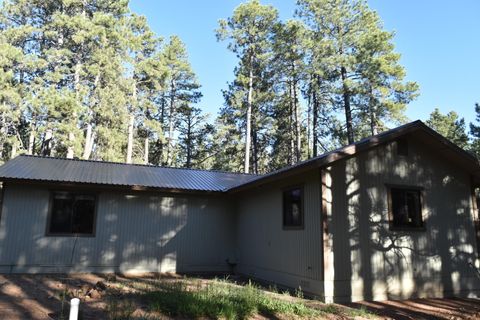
<point>392,216</point>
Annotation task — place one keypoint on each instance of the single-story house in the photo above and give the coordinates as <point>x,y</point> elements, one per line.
<point>391,216</point>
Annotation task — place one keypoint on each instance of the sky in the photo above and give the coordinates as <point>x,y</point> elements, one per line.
<point>439,42</point>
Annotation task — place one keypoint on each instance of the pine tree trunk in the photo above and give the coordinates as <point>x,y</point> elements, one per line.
<point>131,122</point>
<point>315,123</point>
<point>161,141</point>
<point>170,124</point>
<point>146,151</point>
<point>3,133</point>
<point>248,129</point>
<point>90,134</point>
<point>346,105</point>
<point>373,115</point>
<point>87,150</point>
<point>255,149</point>
<point>47,142</point>
<point>291,117</point>
<point>71,140</point>
<point>31,139</point>
<point>373,123</point>
<point>71,135</point>
<point>13,153</point>
<point>309,126</point>
<point>298,134</point>
<point>189,143</point>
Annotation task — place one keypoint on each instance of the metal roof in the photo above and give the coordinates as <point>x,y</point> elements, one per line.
<point>49,169</point>
<point>111,173</point>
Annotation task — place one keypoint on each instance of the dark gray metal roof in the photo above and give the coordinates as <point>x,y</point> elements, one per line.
<point>51,169</point>
<point>110,173</point>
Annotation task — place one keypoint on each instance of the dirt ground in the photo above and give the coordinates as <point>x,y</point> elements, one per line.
<point>453,308</point>
<point>45,297</point>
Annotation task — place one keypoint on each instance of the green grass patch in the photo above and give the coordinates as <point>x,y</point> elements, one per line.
<point>220,299</point>
<point>360,312</point>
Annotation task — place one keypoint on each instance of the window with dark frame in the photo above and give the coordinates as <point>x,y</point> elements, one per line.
<point>406,208</point>
<point>72,213</point>
<point>293,208</point>
<point>402,147</point>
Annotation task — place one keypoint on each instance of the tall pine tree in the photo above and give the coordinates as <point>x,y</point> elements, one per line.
<point>249,32</point>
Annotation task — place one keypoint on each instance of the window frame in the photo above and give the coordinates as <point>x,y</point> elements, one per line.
<point>50,207</point>
<point>421,191</point>
<point>403,148</point>
<point>302,210</point>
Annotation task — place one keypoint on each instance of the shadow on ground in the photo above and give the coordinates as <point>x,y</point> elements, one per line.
<point>451,308</point>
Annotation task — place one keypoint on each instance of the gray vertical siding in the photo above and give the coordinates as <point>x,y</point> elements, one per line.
<point>372,261</point>
<point>291,258</point>
<point>134,232</point>
<point>186,233</point>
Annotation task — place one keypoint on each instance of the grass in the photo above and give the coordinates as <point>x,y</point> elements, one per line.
<point>120,309</point>
<point>361,312</point>
<point>221,299</point>
<point>191,298</point>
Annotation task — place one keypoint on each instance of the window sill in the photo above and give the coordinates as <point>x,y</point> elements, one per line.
<point>69,235</point>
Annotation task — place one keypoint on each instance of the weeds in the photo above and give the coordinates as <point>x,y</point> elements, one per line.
<point>220,299</point>
<point>120,309</point>
<point>63,297</point>
<point>360,312</point>
<point>330,309</point>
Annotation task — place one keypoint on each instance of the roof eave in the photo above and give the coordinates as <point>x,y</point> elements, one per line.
<point>53,184</point>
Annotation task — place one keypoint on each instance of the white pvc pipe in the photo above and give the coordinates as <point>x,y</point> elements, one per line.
<point>74,306</point>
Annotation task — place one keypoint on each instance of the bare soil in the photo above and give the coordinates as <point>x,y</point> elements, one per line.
<point>451,309</point>
<point>46,297</point>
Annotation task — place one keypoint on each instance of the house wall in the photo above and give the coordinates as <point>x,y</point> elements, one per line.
<point>135,232</point>
<point>367,260</point>
<point>266,251</point>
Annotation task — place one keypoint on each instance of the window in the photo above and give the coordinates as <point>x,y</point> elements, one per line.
<point>405,208</point>
<point>402,147</point>
<point>71,214</point>
<point>293,208</point>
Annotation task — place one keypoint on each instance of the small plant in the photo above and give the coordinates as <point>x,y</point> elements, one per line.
<point>63,297</point>
<point>273,289</point>
<point>330,308</point>
<point>120,309</point>
<point>299,293</point>
<point>362,312</point>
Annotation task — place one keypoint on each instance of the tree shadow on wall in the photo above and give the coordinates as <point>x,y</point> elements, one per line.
<point>371,261</point>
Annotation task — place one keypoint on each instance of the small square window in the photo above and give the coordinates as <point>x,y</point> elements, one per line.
<point>402,147</point>
<point>72,214</point>
<point>405,208</point>
<point>293,208</point>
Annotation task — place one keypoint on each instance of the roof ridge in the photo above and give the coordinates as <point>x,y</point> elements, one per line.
<point>134,164</point>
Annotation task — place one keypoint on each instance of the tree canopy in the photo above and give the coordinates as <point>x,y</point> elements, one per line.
<point>449,125</point>
<point>90,79</point>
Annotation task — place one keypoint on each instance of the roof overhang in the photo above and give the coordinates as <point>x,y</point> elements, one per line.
<point>106,187</point>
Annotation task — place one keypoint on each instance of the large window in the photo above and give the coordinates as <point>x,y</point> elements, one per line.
<point>293,208</point>
<point>72,213</point>
<point>405,205</point>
